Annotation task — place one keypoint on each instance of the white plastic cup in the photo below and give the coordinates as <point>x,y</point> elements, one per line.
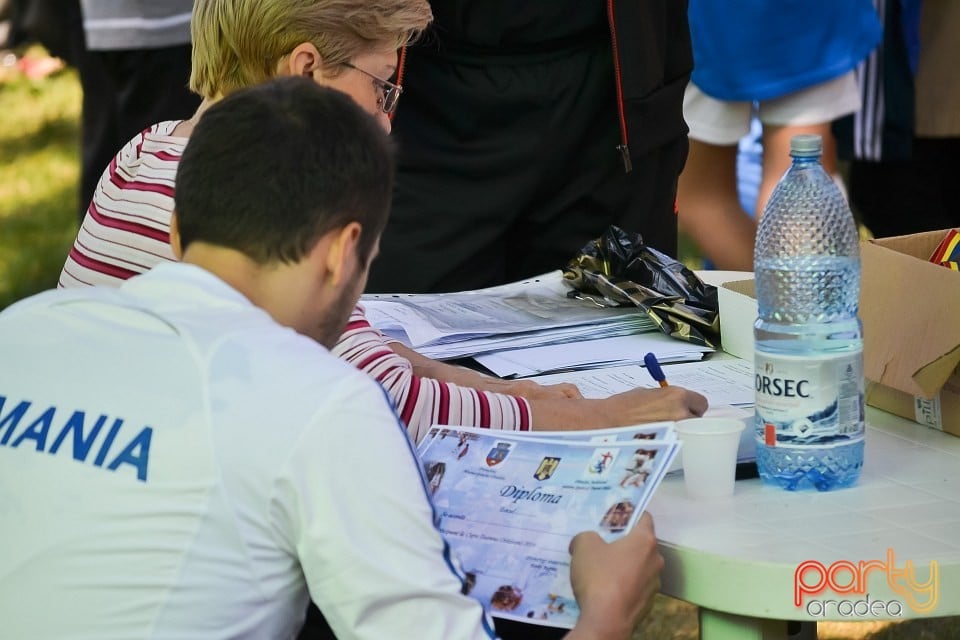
<point>709,455</point>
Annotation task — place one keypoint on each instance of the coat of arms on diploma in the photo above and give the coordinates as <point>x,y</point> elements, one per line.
<point>547,466</point>
<point>498,453</point>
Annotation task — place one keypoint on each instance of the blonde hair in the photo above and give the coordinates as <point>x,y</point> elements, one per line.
<point>238,43</point>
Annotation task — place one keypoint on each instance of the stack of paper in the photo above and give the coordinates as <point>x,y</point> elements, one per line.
<point>592,354</point>
<point>531,313</point>
<point>508,504</point>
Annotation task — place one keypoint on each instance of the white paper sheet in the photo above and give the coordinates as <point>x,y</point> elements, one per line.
<point>723,382</point>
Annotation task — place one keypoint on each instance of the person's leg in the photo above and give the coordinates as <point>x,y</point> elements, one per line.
<point>710,210</point>
<point>776,155</point>
<point>100,139</point>
<point>151,86</point>
<point>56,24</point>
<point>124,92</point>
<point>707,197</point>
<point>810,110</point>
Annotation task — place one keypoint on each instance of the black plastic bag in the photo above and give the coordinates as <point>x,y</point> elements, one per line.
<point>618,269</point>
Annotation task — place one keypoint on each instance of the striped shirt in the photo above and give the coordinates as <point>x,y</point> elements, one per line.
<point>127,231</point>
<point>123,24</point>
<point>422,402</point>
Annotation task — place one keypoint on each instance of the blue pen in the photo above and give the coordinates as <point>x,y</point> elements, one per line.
<point>654,368</point>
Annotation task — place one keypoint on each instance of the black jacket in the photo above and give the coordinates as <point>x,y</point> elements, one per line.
<point>650,41</point>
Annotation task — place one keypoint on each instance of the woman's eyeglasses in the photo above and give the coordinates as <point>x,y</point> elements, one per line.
<point>389,92</point>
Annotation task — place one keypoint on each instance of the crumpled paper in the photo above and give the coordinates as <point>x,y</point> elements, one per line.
<point>618,269</point>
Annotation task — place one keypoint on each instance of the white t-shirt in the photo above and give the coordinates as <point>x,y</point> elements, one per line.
<point>174,464</point>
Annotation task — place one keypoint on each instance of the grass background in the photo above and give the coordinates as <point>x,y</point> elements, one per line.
<point>39,175</point>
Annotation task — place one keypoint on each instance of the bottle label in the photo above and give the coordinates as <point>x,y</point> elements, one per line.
<point>809,400</point>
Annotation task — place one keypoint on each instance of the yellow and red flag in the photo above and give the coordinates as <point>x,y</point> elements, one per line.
<point>947,253</point>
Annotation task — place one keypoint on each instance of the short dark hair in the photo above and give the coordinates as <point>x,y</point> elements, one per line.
<point>272,168</point>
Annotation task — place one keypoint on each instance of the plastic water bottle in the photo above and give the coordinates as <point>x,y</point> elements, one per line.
<point>809,347</point>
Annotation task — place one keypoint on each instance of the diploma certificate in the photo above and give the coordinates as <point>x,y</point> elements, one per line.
<point>509,503</point>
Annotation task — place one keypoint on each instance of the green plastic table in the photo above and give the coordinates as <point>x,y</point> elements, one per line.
<point>736,558</point>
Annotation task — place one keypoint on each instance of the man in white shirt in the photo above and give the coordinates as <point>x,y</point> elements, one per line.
<point>174,453</point>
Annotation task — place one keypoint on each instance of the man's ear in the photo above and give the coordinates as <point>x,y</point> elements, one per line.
<point>304,60</point>
<point>175,237</point>
<point>341,261</point>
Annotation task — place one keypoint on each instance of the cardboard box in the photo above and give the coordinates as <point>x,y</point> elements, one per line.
<point>910,310</point>
<point>738,311</point>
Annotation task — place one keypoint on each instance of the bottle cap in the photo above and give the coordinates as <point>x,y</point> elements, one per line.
<point>806,145</point>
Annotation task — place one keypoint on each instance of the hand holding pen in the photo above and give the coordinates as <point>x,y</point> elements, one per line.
<point>643,404</point>
<point>653,367</point>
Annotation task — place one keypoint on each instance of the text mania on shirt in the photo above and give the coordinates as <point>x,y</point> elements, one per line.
<point>98,440</point>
